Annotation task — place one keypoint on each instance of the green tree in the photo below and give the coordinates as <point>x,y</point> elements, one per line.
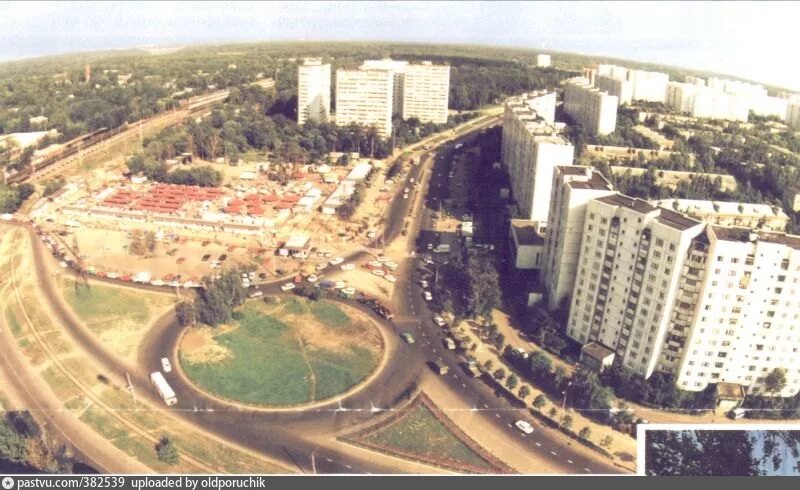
<point>567,421</point>
<point>552,412</point>
<point>483,287</point>
<point>499,374</point>
<point>540,364</point>
<point>524,392</point>
<point>539,402</point>
<point>12,443</point>
<point>775,381</point>
<point>512,381</point>
<point>167,452</point>
<point>585,433</point>
<point>185,312</point>
<point>606,442</point>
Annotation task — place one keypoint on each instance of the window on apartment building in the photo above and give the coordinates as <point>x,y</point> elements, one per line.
<point>749,260</point>
<point>781,278</point>
<point>671,247</point>
<point>726,343</point>
<point>717,271</point>
<point>719,258</point>
<point>722,354</point>
<point>730,332</point>
<point>767,325</point>
<point>604,221</point>
<point>734,260</point>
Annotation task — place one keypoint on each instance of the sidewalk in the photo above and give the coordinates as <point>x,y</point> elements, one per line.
<point>623,445</point>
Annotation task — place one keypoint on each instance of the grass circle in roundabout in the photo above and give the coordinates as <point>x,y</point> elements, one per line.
<point>283,352</point>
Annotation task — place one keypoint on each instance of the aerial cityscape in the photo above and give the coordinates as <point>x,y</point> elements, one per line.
<point>369,253</point>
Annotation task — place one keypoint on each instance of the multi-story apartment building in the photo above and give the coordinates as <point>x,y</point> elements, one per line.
<point>700,101</point>
<point>737,317</point>
<point>398,69</point>
<point>313,91</point>
<point>573,188</point>
<point>648,85</point>
<point>793,115</point>
<point>631,260</point>
<point>531,149</point>
<point>619,87</point>
<point>596,111</point>
<point>543,60</point>
<point>722,213</point>
<point>426,92</point>
<point>364,96</point>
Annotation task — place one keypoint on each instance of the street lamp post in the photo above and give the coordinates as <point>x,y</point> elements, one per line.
<point>314,460</point>
<point>564,402</point>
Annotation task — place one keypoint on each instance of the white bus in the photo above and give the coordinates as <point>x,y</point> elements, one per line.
<point>163,388</point>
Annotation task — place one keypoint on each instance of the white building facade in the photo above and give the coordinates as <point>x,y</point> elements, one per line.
<point>596,111</point>
<point>426,92</point>
<point>364,97</point>
<point>313,91</point>
<point>573,188</point>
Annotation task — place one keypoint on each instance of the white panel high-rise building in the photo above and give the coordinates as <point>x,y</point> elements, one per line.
<point>542,60</point>
<point>631,259</point>
<point>620,87</point>
<point>531,149</point>
<point>364,96</point>
<point>596,111</point>
<point>426,92</point>
<point>793,115</point>
<point>650,86</point>
<point>398,69</point>
<point>313,91</point>
<point>573,188</point>
<point>738,316</point>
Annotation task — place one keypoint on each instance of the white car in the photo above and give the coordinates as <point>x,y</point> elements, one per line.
<point>524,426</point>
<point>379,272</point>
<point>423,283</point>
<point>320,267</point>
<point>390,265</point>
<point>390,278</point>
<point>348,267</point>
<point>427,295</point>
<point>349,291</point>
<point>312,278</point>
<point>165,365</point>
<point>287,287</point>
<point>439,321</point>
<point>256,294</point>
<point>376,263</point>
<point>339,285</point>
<point>336,261</point>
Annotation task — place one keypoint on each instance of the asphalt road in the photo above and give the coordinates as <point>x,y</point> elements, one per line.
<point>285,436</point>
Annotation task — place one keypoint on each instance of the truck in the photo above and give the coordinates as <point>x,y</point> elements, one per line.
<point>163,388</point>
<point>142,277</point>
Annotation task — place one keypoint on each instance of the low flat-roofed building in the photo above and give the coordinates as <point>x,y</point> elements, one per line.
<point>596,357</point>
<point>527,243</point>
<point>725,213</point>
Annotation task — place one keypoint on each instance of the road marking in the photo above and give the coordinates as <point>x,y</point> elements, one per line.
<point>587,470</point>
<point>570,461</point>
<point>485,405</point>
<point>463,385</point>
<point>329,460</point>
<point>539,444</point>
<point>348,467</point>
<point>510,425</point>
<point>554,453</point>
<point>497,415</point>
<point>523,434</point>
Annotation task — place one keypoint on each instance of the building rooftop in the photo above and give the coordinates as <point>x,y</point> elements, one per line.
<point>525,232</point>
<point>698,206</point>
<point>676,220</point>
<point>730,391</point>
<point>597,351</point>
<point>584,177</point>
<point>638,205</point>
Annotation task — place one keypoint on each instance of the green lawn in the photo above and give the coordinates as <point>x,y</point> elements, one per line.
<point>99,305</point>
<point>421,435</point>
<point>271,363</point>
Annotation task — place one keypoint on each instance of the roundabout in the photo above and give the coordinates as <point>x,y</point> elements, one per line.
<point>283,353</point>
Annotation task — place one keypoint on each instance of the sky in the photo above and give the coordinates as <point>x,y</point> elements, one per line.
<point>752,40</point>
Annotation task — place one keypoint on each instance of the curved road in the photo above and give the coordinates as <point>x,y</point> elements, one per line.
<point>280,435</point>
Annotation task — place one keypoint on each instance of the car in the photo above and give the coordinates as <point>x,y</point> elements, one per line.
<point>206,257</point>
<point>206,243</point>
<point>321,266</point>
<point>409,339</point>
<point>348,267</point>
<point>350,291</point>
<point>180,260</point>
<point>379,272</point>
<point>262,275</point>
<point>223,258</point>
<point>449,344</point>
<point>165,365</point>
<point>427,295</point>
<point>390,265</point>
<point>312,278</point>
<point>339,285</point>
<point>389,182</point>
<point>524,426</point>
<point>371,234</point>
<point>390,278</point>
<point>405,196</point>
<point>429,246</point>
<point>423,283</point>
<point>439,367</point>
<point>336,261</point>
<point>439,321</point>
<point>256,294</point>
<point>287,287</point>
